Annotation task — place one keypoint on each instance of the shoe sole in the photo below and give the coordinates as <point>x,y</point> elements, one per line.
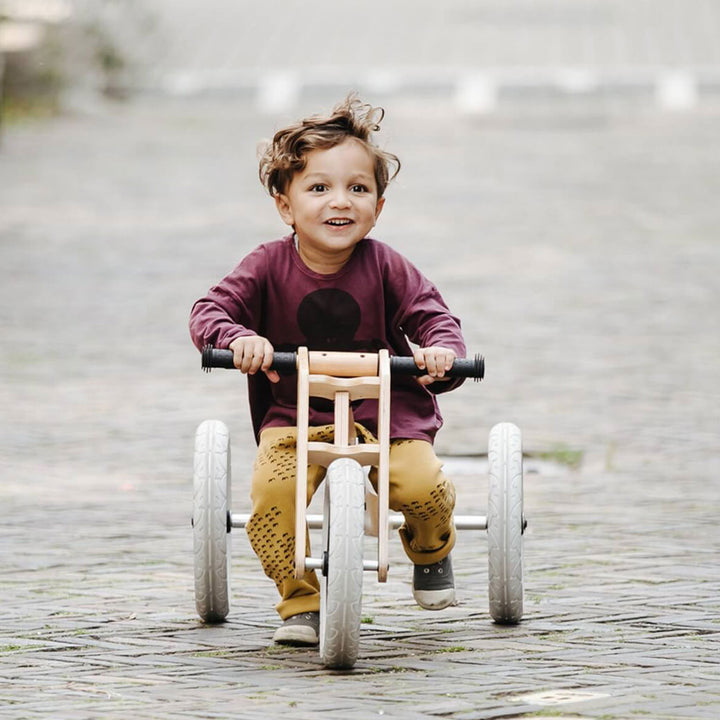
<point>434,599</point>
<point>296,635</point>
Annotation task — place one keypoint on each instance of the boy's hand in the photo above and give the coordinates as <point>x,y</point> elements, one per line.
<point>252,353</point>
<point>436,360</point>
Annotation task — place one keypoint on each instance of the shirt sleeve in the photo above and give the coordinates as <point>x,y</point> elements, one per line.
<point>420,312</point>
<point>232,308</point>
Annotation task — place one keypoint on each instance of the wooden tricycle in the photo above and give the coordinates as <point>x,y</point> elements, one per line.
<point>352,508</point>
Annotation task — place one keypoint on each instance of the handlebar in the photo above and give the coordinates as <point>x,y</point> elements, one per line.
<point>286,364</point>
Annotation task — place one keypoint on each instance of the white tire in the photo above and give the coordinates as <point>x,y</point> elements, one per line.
<point>505,524</point>
<point>341,581</point>
<point>211,529</point>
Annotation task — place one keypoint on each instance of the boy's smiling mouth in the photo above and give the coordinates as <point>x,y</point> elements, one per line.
<point>339,222</point>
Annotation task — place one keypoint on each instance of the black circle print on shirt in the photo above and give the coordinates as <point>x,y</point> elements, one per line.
<point>329,319</point>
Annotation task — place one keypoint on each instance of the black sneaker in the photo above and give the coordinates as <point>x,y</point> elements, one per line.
<point>299,629</point>
<point>434,585</point>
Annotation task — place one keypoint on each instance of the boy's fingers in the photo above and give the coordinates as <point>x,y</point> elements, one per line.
<point>251,361</point>
<point>250,353</point>
<point>443,362</point>
<point>239,356</point>
<point>267,362</point>
<point>262,354</point>
<point>429,379</point>
<point>436,361</point>
<point>432,365</point>
<point>256,362</point>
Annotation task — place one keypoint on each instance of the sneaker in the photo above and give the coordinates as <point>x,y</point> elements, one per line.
<point>299,629</point>
<point>434,585</point>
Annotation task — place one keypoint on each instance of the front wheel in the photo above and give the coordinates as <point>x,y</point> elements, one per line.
<point>211,529</point>
<point>505,524</point>
<point>341,583</point>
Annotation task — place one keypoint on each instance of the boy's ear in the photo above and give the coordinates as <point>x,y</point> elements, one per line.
<point>378,208</point>
<point>283,207</point>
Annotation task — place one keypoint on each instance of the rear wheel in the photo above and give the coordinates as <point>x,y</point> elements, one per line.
<point>505,524</point>
<point>211,527</point>
<point>341,582</point>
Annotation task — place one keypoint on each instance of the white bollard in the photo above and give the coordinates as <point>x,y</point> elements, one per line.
<point>476,94</point>
<point>278,92</point>
<point>676,90</point>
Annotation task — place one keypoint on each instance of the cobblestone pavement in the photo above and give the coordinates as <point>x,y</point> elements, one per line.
<point>580,248</point>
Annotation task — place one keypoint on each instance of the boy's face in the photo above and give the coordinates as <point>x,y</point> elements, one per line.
<point>332,204</point>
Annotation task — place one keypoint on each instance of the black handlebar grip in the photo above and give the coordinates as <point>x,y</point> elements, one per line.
<point>212,358</point>
<point>462,367</point>
<point>286,364</point>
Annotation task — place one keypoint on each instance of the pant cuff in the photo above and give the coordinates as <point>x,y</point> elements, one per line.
<point>296,606</point>
<point>426,557</point>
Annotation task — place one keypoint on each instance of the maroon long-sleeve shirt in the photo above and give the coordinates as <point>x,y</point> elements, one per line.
<point>377,300</point>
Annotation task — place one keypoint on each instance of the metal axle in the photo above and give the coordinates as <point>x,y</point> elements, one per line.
<point>462,522</point>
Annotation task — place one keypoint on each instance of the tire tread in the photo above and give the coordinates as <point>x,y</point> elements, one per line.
<point>341,599</point>
<point>505,524</point>
<point>211,504</point>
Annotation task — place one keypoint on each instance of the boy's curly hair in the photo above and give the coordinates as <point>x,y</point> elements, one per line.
<point>286,154</point>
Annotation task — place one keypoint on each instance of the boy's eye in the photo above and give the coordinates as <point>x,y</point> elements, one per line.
<point>318,188</point>
<point>358,188</point>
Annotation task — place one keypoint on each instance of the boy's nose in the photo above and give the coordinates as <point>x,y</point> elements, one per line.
<point>340,199</point>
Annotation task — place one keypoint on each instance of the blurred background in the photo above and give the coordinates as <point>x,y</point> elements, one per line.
<point>471,54</point>
<point>559,183</point>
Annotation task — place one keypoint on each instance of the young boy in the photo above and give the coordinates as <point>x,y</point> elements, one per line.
<point>328,286</point>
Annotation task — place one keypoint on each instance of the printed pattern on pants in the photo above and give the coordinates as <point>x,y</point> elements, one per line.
<point>418,489</point>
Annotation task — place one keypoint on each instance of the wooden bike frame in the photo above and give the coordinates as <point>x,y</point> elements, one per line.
<point>342,378</point>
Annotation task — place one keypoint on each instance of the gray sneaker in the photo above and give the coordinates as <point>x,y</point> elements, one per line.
<point>299,629</point>
<point>434,585</point>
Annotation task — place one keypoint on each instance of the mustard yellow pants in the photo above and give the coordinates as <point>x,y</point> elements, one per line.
<point>418,490</point>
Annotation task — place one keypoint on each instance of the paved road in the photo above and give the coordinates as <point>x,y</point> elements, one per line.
<point>580,248</point>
